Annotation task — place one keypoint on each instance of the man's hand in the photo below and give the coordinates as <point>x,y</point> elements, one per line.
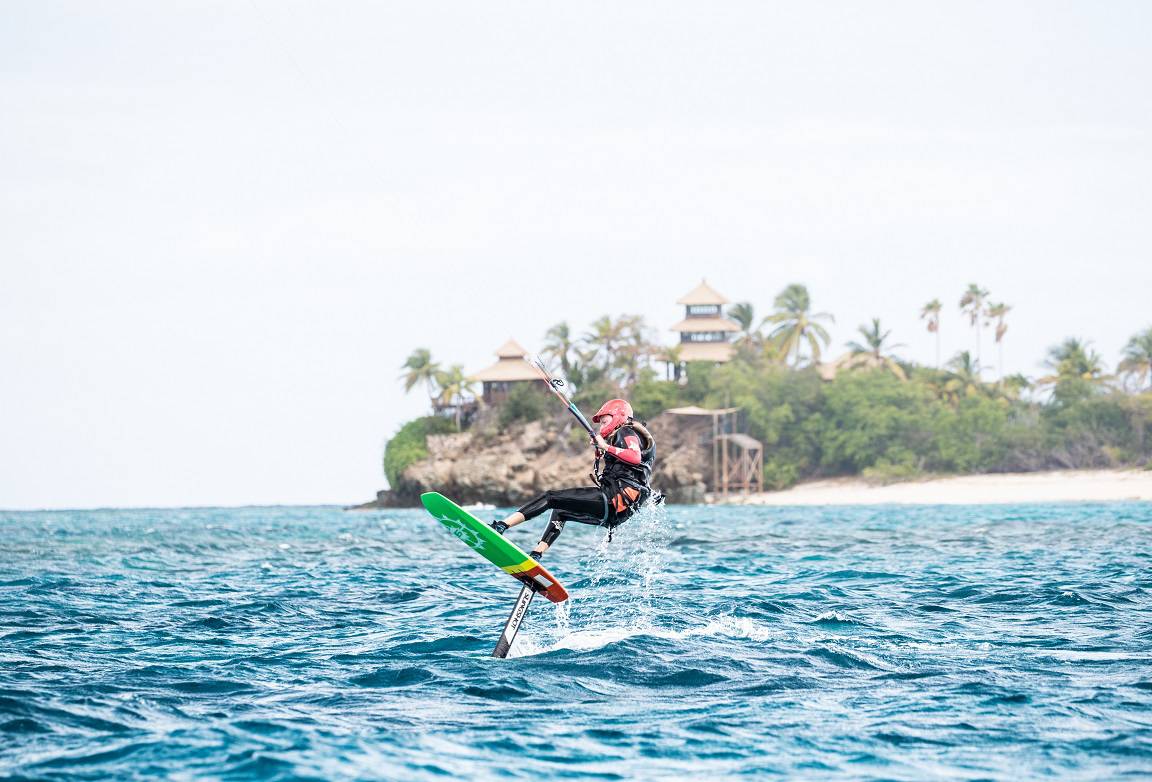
<point>599,442</point>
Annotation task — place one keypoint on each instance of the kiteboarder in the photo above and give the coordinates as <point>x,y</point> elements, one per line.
<point>627,449</point>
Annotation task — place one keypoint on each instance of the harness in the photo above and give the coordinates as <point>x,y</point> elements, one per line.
<point>621,494</point>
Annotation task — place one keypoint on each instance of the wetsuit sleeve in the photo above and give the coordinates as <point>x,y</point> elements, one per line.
<point>629,454</point>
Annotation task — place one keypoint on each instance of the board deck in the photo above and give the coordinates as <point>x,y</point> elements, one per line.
<point>491,545</point>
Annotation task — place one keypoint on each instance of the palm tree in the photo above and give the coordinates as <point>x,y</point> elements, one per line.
<point>421,369</point>
<point>634,348</point>
<point>876,350</point>
<point>972,304</point>
<point>1137,361</point>
<point>963,378</point>
<point>999,311</point>
<point>749,341</point>
<point>931,311</point>
<point>559,345</point>
<point>1077,370</point>
<point>795,326</point>
<point>584,369</point>
<point>745,315</point>
<point>1013,386</point>
<point>453,385</point>
<point>1074,358</point>
<point>603,339</point>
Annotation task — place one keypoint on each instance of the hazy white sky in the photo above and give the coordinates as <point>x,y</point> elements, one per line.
<point>223,225</point>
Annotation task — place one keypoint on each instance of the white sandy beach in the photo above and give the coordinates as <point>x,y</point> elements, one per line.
<point>1058,486</point>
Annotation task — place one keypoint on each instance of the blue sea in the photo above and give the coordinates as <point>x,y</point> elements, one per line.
<point>708,643</point>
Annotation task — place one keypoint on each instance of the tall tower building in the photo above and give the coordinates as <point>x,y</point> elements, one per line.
<point>705,332</point>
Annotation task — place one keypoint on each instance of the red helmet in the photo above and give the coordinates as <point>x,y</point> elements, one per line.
<point>615,413</point>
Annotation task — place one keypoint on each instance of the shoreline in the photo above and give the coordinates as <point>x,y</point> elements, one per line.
<point>985,489</point>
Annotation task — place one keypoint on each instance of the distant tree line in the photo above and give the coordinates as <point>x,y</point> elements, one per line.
<point>870,411</point>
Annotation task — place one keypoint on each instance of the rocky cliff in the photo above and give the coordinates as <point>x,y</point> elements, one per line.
<point>509,465</point>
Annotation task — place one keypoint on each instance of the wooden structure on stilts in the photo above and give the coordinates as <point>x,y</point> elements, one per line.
<point>741,463</point>
<point>737,459</point>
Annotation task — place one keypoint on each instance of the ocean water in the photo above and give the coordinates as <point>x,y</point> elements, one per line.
<point>704,642</point>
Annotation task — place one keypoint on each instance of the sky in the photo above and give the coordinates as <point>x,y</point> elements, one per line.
<point>224,225</point>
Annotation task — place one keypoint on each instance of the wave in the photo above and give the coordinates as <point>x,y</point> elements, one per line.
<point>394,677</point>
<point>700,643</point>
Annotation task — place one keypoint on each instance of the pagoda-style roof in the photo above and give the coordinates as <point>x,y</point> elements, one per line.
<point>510,368</point>
<point>511,349</point>
<point>695,325</point>
<point>705,351</point>
<point>702,294</point>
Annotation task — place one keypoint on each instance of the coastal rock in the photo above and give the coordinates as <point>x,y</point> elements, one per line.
<point>511,466</point>
<point>683,457</point>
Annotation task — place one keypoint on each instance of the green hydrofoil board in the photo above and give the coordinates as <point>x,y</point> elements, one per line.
<point>489,544</point>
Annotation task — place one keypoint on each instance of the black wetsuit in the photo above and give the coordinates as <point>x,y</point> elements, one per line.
<point>623,488</point>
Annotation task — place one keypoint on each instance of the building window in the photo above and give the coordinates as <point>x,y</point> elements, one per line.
<point>703,336</point>
<point>703,310</point>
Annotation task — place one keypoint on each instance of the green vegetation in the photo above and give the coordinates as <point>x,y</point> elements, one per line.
<point>869,412</point>
<point>410,445</point>
<point>868,421</point>
<point>526,402</point>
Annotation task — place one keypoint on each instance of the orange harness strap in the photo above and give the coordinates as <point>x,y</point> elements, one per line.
<point>619,503</point>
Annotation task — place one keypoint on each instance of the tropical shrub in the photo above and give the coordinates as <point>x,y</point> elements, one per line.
<point>650,397</point>
<point>873,417</point>
<point>410,445</point>
<point>526,402</point>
